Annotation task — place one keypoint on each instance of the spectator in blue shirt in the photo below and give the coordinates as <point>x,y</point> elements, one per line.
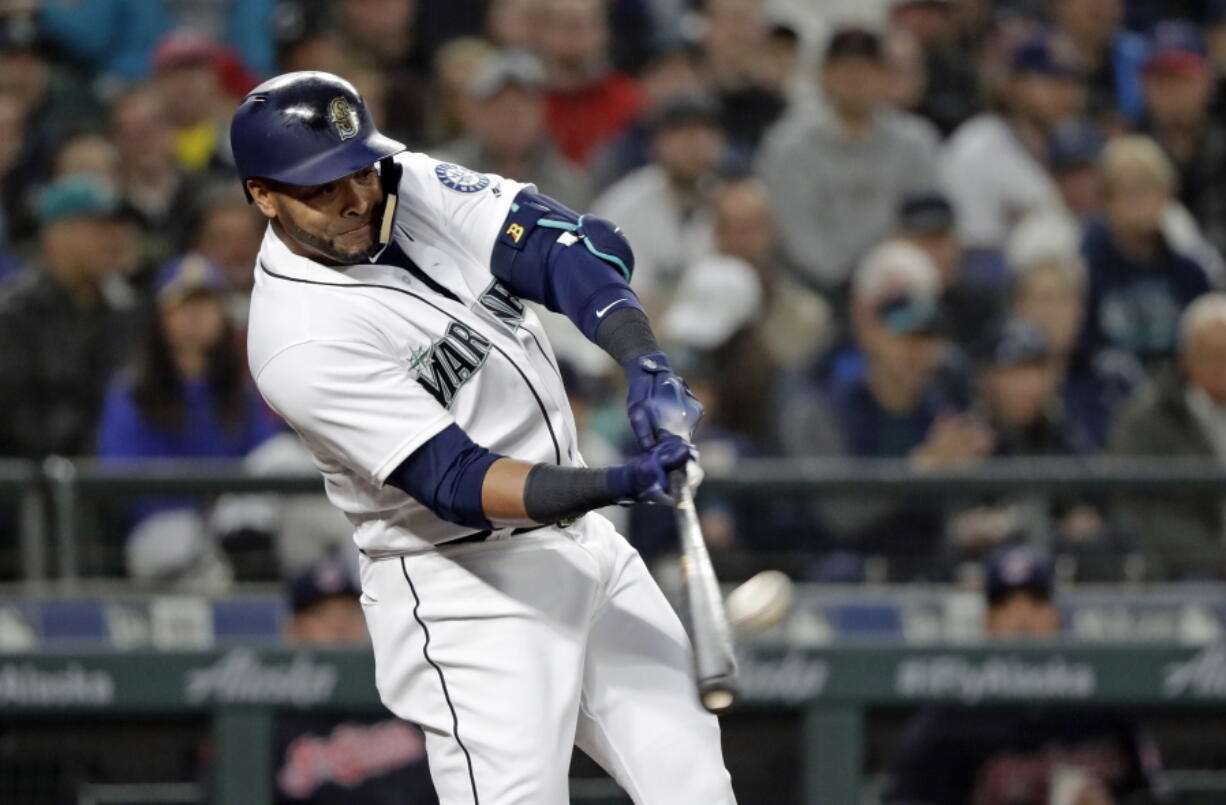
<point>892,396</point>
<point>1139,284</point>
<point>187,395</point>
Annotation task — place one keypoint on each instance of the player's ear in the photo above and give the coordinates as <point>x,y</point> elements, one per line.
<point>262,196</point>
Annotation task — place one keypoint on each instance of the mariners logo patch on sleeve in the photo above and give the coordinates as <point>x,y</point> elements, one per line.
<point>461,179</point>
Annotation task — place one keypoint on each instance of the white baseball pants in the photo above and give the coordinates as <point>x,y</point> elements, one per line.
<point>511,651</point>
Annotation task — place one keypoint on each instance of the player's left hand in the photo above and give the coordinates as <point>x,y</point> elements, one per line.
<point>644,478</point>
<point>659,401</point>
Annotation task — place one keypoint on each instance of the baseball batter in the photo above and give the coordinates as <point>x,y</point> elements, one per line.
<point>388,328</point>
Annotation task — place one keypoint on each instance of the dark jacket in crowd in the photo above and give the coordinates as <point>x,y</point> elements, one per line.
<point>56,359</point>
<point>1200,186</point>
<point>1095,385</point>
<point>1136,306</point>
<point>1181,535</point>
<point>862,428</point>
<point>1049,435</point>
<point>845,419</point>
<point>952,94</point>
<point>1007,756</point>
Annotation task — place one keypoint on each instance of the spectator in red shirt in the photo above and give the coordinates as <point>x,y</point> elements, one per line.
<point>587,102</point>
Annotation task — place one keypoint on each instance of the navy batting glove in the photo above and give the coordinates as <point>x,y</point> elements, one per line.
<point>644,478</point>
<point>659,401</point>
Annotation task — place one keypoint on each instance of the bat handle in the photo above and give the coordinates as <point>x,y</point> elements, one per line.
<point>714,660</point>
<point>678,488</point>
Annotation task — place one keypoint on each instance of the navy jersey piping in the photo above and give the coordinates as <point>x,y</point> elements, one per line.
<point>394,255</point>
<point>545,355</point>
<point>515,328</point>
<point>425,651</point>
<point>557,449</point>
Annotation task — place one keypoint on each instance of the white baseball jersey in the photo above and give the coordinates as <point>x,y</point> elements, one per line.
<point>506,651</point>
<point>367,362</point>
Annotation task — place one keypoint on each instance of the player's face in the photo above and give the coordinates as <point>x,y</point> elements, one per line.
<point>333,223</point>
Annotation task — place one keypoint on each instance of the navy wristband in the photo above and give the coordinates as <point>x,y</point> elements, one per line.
<point>553,493</point>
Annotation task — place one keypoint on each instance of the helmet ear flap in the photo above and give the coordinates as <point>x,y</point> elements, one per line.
<point>389,176</point>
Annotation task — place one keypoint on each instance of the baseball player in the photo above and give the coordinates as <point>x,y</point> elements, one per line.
<point>388,328</point>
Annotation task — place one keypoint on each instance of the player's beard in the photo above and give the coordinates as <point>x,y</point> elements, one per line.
<point>325,247</point>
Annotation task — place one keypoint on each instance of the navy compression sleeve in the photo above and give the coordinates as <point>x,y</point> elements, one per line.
<point>576,265</point>
<point>626,335</point>
<point>446,474</point>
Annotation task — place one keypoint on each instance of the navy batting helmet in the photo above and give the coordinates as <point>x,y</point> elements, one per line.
<point>305,128</point>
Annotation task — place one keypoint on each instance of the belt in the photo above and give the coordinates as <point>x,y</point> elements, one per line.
<point>479,536</point>
<point>482,536</point>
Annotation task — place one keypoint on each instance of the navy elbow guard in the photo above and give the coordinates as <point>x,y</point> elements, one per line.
<point>599,236</point>
<point>446,475</point>
<point>577,265</point>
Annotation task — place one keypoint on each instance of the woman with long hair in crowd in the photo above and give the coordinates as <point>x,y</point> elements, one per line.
<point>186,396</point>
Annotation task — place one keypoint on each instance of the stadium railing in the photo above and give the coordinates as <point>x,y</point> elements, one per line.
<point>23,492</point>
<point>60,498</point>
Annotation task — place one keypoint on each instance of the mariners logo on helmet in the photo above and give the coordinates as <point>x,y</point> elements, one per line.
<point>344,118</point>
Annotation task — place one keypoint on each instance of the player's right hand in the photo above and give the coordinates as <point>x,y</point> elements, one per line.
<point>644,478</point>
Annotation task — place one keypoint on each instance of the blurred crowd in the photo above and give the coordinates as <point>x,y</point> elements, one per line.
<point>932,230</point>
